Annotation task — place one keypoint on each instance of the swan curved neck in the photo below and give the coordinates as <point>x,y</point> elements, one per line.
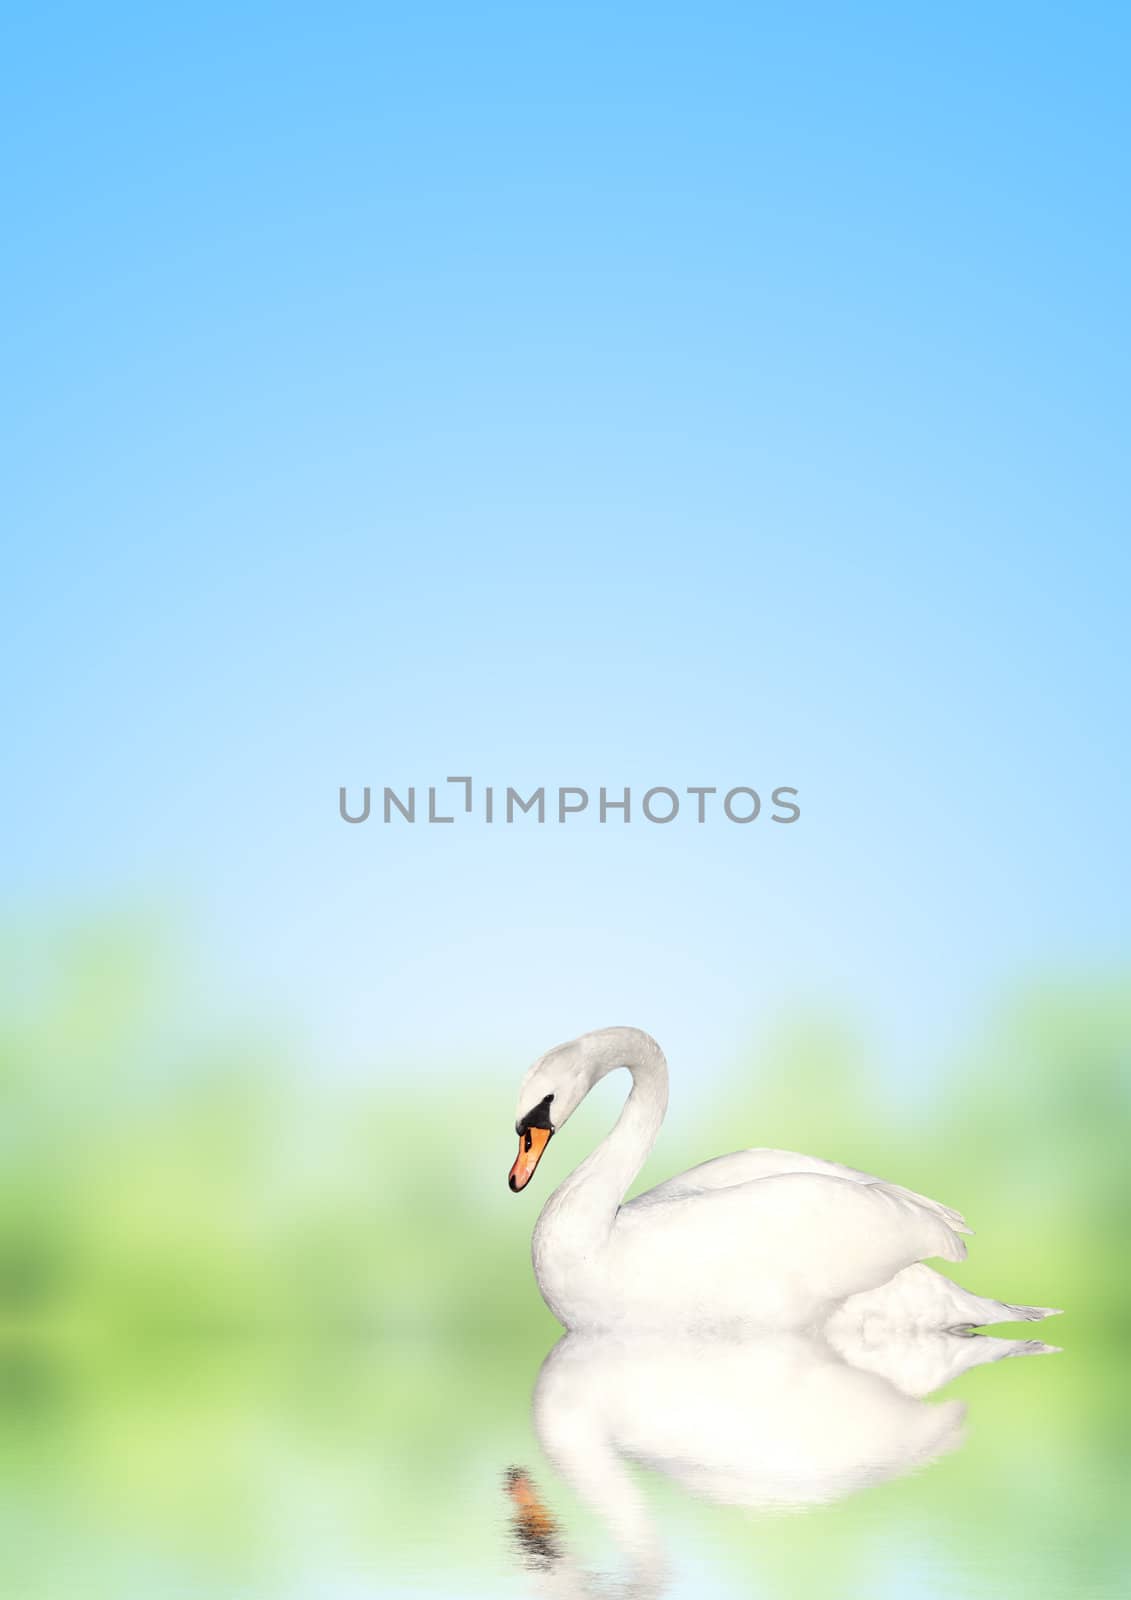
<point>622,1153</point>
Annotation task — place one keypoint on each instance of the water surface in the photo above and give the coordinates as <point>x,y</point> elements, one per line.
<point>273,1470</point>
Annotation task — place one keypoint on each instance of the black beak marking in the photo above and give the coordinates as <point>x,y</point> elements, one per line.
<point>538,1118</point>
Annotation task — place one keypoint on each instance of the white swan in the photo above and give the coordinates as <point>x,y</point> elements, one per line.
<point>762,1237</point>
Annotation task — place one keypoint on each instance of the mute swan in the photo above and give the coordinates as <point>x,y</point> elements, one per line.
<point>761,1237</point>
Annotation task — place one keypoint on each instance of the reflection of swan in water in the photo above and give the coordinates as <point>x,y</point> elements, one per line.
<point>782,1421</point>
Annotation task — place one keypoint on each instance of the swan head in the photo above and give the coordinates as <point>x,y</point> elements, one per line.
<point>558,1082</point>
<point>551,1091</point>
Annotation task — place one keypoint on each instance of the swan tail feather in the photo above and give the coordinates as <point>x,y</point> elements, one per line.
<point>985,1313</point>
<point>920,1297</point>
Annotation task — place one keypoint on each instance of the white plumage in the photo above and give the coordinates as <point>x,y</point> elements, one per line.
<point>764,1238</point>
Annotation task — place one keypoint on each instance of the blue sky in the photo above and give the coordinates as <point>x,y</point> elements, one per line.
<point>680,395</point>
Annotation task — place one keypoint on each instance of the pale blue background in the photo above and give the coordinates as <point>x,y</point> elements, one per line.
<point>714,394</point>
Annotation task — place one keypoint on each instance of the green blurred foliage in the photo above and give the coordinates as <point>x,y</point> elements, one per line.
<point>227,1283</point>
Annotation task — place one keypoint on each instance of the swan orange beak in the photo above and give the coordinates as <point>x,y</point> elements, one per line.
<point>530,1147</point>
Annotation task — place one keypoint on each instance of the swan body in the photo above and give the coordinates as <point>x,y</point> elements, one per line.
<point>764,1238</point>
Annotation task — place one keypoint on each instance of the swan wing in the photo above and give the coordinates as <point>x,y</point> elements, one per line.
<point>748,1166</point>
<point>806,1238</point>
